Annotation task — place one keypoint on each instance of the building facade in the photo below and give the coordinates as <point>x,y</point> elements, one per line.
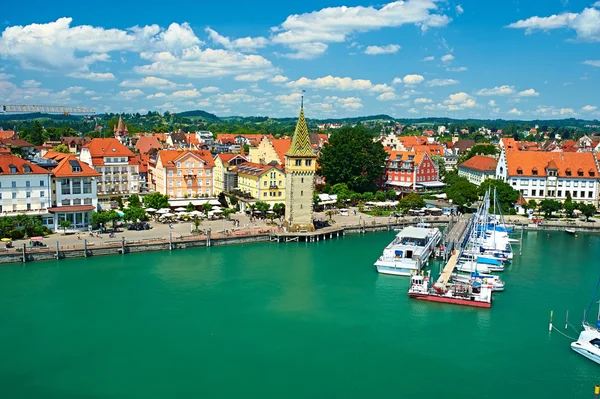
<point>225,175</point>
<point>263,182</point>
<point>300,169</point>
<point>182,173</point>
<point>270,150</point>
<point>409,171</point>
<point>24,187</point>
<point>478,168</point>
<point>541,175</point>
<point>74,193</point>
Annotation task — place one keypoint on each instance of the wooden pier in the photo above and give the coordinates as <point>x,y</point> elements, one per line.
<point>308,236</point>
<point>449,268</point>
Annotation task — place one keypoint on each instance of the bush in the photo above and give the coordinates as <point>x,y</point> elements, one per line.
<point>17,234</point>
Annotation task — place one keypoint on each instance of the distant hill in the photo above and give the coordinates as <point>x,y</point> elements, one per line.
<point>38,115</point>
<point>207,116</point>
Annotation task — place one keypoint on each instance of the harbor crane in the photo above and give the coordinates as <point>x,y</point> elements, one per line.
<point>45,109</point>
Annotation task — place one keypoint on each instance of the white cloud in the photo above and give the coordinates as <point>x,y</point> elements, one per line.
<point>156,95</point>
<point>553,111</point>
<point>335,24</point>
<point>376,50</point>
<point>589,108</point>
<point>515,111</point>
<point>413,111</point>
<point>457,69</point>
<point>389,96</point>
<point>249,44</point>
<point>209,89</point>
<point>306,51</point>
<point>585,24</point>
<point>129,94</point>
<point>289,99</point>
<point>89,92</point>
<point>149,81</point>
<point>594,63</point>
<point>6,76</point>
<point>528,93</point>
<point>100,76</point>
<point>30,83</point>
<point>338,83</point>
<point>429,58</point>
<point>192,93</point>
<point>447,58</point>
<point>497,91</point>
<point>459,10</point>
<point>413,79</point>
<point>423,100</point>
<point>456,102</point>
<point>492,103</point>
<point>229,98</point>
<point>278,79</point>
<point>71,90</point>
<point>344,102</point>
<point>442,82</point>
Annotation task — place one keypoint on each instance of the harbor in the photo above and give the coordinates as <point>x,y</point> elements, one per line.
<point>292,313</point>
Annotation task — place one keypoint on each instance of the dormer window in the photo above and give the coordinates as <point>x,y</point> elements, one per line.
<point>519,170</point>
<point>568,172</point>
<point>534,171</point>
<point>13,169</point>
<point>592,172</point>
<point>580,172</point>
<point>26,169</point>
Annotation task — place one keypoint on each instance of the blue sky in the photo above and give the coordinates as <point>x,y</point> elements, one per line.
<point>486,59</point>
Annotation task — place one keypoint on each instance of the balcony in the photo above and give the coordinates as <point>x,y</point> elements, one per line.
<point>273,186</point>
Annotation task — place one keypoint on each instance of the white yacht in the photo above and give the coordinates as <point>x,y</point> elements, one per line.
<point>409,251</point>
<point>588,343</point>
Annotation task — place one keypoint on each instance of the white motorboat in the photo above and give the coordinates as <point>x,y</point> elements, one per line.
<point>409,251</point>
<point>471,266</point>
<point>588,343</point>
<point>488,280</point>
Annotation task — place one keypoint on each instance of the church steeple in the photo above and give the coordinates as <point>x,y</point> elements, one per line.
<point>301,146</point>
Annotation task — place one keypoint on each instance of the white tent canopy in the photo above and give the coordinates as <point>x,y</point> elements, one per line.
<point>150,210</point>
<point>163,210</point>
<point>180,209</point>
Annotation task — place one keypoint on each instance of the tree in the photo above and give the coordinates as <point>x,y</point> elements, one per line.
<point>262,207</point>
<point>206,207</point>
<point>412,201</point>
<point>134,201</point>
<point>440,162</point>
<point>227,212</point>
<point>61,148</point>
<point>279,209</point>
<point>156,201</point>
<point>507,196</point>
<point>380,196</point>
<point>98,219</point>
<point>134,213</point>
<point>462,193</point>
<point>588,210</point>
<point>353,158</point>
<point>112,216</point>
<point>569,206</point>
<point>64,224</point>
<point>7,224</point>
<point>190,207</point>
<point>329,213</point>
<point>197,222</point>
<point>36,135</point>
<point>548,206</point>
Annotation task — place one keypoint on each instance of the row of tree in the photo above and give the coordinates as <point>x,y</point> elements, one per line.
<point>22,225</point>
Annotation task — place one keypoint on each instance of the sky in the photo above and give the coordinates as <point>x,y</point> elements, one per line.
<point>496,59</point>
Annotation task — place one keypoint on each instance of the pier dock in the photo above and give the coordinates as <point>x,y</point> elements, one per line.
<point>448,269</point>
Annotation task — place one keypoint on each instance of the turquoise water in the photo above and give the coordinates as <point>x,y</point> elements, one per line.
<point>291,320</point>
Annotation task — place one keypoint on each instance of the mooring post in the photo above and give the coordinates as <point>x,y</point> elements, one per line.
<point>56,249</point>
<point>208,236</point>
<point>170,241</point>
<point>597,392</point>
<point>123,245</point>
<point>24,255</point>
<point>85,247</point>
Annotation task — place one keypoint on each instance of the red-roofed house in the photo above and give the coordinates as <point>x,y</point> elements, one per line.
<point>7,134</point>
<point>409,171</point>
<point>24,186</point>
<point>225,176</point>
<point>264,182</point>
<point>118,166</point>
<point>551,175</point>
<point>269,150</point>
<point>182,173</point>
<point>478,168</point>
<point>74,193</point>
<point>147,143</point>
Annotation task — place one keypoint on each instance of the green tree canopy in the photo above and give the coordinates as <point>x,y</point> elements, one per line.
<point>412,201</point>
<point>156,201</point>
<point>507,196</point>
<point>134,201</point>
<point>588,210</point>
<point>190,207</point>
<point>548,206</point>
<point>61,148</point>
<point>462,193</point>
<point>440,162</point>
<point>36,134</point>
<point>134,213</point>
<point>352,157</point>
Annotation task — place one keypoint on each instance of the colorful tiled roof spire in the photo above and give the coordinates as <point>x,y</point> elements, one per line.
<point>301,146</point>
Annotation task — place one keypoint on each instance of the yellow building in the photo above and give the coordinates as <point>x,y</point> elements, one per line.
<point>225,176</point>
<point>263,182</point>
<point>270,150</point>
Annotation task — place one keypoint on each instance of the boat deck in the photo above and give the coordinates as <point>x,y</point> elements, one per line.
<point>449,269</point>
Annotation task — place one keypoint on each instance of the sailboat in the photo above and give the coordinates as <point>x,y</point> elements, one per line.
<point>588,343</point>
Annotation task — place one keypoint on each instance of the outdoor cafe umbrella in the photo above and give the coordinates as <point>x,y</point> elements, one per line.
<point>163,210</point>
<point>167,215</point>
<point>150,210</point>
<point>195,213</point>
<point>182,213</point>
<point>6,239</point>
<point>180,209</point>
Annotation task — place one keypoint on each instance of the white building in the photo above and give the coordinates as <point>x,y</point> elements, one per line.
<point>74,193</point>
<point>24,187</point>
<point>542,175</point>
<point>478,168</point>
<point>118,166</point>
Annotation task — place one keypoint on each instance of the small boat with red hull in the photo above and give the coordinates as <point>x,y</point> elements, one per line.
<point>474,294</point>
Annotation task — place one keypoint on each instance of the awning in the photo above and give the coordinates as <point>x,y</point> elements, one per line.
<point>72,208</point>
<point>400,183</point>
<point>36,239</point>
<point>431,184</point>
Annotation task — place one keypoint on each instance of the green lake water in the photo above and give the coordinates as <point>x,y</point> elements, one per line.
<point>291,320</point>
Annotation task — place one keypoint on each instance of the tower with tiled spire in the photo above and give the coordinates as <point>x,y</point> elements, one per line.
<point>120,130</point>
<point>300,167</point>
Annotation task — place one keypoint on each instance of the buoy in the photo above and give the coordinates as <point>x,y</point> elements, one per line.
<point>550,326</point>
<point>575,235</point>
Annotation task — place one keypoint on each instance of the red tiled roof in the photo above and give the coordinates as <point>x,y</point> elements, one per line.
<point>6,134</point>
<point>527,161</point>
<point>16,142</point>
<point>170,157</point>
<point>430,149</point>
<point>481,163</point>
<point>281,146</point>
<point>7,160</point>
<point>64,168</point>
<point>56,156</point>
<point>111,147</point>
<point>404,155</point>
<point>71,208</point>
<point>145,143</point>
<point>255,169</point>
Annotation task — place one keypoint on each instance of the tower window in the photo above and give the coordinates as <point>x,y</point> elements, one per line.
<point>308,162</point>
<point>298,162</point>
<point>302,180</point>
<point>301,193</point>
